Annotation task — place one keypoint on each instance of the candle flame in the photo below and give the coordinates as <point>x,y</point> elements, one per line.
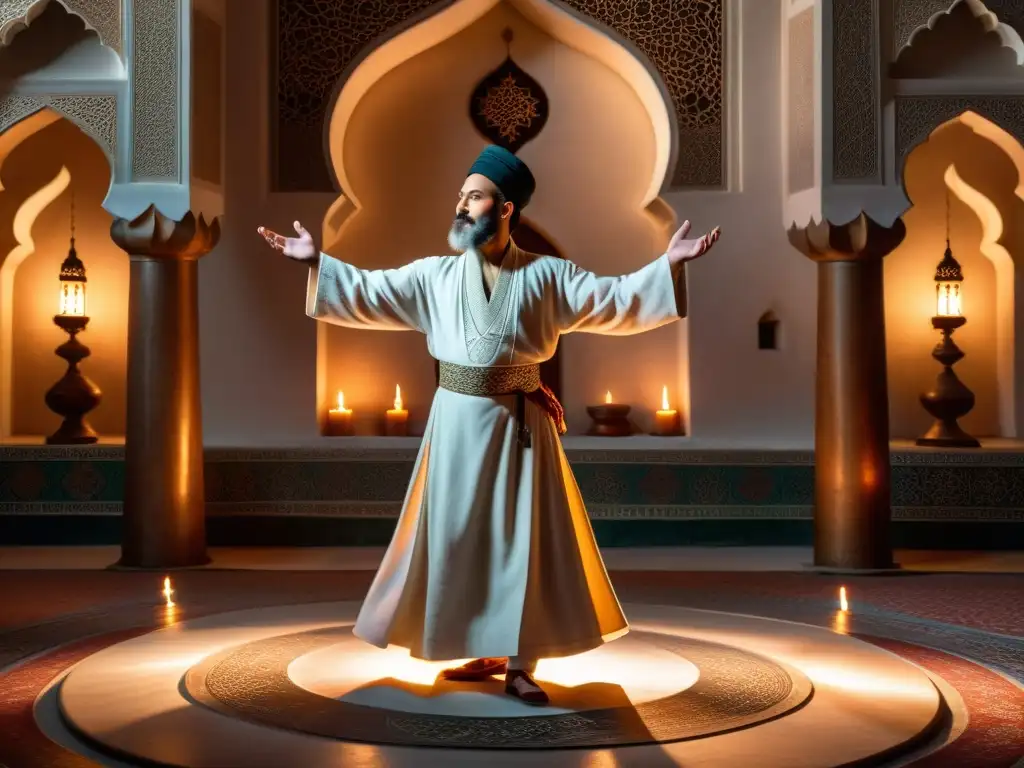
<point>167,592</point>
<point>341,403</point>
<point>844,605</point>
<point>608,396</point>
<point>398,398</point>
<point>664,398</point>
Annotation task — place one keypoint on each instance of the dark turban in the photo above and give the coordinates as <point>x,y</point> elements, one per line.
<point>510,175</point>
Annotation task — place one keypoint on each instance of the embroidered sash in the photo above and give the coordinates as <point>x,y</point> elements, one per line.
<point>521,380</point>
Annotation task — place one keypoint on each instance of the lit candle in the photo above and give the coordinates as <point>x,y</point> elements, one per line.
<point>609,419</point>
<point>167,592</point>
<point>339,420</point>
<point>666,421</point>
<point>396,422</point>
<point>844,605</point>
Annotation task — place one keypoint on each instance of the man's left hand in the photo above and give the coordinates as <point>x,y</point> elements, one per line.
<point>681,250</point>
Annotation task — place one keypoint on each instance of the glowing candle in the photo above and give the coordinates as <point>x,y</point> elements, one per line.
<point>609,419</point>
<point>339,419</point>
<point>167,592</point>
<point>396,422</point>
<point>844,606</point>
<point>666,421</point>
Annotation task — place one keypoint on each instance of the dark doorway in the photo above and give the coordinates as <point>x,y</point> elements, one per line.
<point>529,239</point>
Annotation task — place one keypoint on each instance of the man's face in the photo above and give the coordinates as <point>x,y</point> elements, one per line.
<point>477,214</point>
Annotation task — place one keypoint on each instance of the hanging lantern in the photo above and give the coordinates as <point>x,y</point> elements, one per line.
<point>72,284</point>
<point>949,280</point>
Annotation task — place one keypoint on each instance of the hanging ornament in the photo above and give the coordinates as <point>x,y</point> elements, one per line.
<point>508,106</point>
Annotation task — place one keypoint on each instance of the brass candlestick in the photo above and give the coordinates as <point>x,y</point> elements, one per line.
<point>74,395</point>
<point>950,399</point>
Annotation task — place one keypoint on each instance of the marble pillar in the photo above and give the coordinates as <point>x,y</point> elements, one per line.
<point>852,495</point>
<point>164,505</point>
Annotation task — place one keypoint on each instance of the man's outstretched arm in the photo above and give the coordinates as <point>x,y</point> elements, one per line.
<point>342,294</point>
<point>628,304</point>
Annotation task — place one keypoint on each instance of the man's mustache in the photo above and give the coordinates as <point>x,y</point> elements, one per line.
<point>464,217</point>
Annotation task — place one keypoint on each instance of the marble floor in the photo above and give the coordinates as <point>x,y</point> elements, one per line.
<point>736,658</point>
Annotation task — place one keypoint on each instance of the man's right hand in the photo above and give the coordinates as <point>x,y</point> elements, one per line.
<point>301,248</point>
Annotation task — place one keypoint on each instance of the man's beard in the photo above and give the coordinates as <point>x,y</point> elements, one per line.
<point>468,234</point>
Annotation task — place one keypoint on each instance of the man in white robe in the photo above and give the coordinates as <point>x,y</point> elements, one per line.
<point>494,557</point>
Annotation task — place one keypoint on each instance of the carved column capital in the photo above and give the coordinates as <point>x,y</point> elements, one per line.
<point>151,235</point>
<point>859,239</point>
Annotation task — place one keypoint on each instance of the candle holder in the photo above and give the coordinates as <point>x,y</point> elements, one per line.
<point>950,399</point>
<point>73,395</point>
<point>609,420</point>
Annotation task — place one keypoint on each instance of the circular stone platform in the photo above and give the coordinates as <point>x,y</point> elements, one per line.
<point>292,686</point>
<point>734,689</point>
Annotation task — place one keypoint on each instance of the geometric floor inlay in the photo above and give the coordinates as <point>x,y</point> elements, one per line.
<point>288,685</point>
<point>734,689</point>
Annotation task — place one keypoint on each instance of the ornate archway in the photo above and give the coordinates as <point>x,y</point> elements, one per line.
<point>677,45</point>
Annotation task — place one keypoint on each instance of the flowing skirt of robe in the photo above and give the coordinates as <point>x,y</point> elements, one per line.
<point>494,554</point>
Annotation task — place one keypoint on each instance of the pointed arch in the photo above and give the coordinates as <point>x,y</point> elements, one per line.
<point>100,16</point>
<point>28,200</point>
<point>987,178</point>
<point>95,116</point>
<point>918,117</point>
<point>24,219</point>
<point>445,19</point>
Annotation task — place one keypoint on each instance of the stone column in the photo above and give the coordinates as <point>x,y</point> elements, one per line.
<point>164,506</point>
<point>852,503</point>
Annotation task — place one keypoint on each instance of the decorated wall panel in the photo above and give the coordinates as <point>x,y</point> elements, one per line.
<point>318,44</point>
<point>855,97</point>
<point>155,92</point>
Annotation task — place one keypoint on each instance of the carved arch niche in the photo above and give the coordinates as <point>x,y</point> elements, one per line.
<point>977,165</point>
<point>46,159</point>
<point>680,43</point>
<point>389,169</point>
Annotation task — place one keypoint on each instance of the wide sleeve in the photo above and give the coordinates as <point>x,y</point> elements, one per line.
<point>379,299</point>
<point>620,306</point>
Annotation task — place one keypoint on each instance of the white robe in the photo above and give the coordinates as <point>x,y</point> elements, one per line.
<point>494,554</point>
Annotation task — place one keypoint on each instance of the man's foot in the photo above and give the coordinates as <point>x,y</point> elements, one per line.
<point>478,670</point>
<point>519,684</point>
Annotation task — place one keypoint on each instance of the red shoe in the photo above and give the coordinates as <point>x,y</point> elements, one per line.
<point>519,684</point>
<point>476,671</point>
